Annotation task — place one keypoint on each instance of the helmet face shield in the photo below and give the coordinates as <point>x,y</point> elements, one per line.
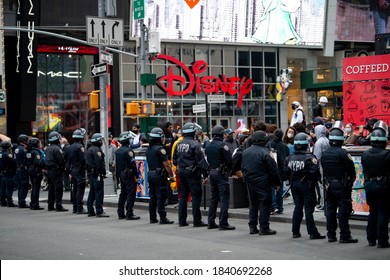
<point>382,125</point>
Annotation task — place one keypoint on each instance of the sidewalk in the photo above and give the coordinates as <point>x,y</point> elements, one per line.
<point>111,200</point>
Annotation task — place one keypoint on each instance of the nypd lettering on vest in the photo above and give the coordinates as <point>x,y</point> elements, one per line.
<point>296,165</point>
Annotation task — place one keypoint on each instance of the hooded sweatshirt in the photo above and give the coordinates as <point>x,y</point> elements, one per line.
<point>322,142</point>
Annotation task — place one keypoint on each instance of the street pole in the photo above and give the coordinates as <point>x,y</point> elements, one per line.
<point>102,95</point>
<point>143,56</point>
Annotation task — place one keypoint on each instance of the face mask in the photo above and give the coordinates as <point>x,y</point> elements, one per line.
<point>323,104</point>
<point>290,135</point>
<point>348,130</point>
<point>293,107</point>
<point>135,131</point>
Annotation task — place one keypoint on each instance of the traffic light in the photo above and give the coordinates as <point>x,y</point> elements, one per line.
<point>132,108</point>
<point>148,108</point>
<point>93,98</point>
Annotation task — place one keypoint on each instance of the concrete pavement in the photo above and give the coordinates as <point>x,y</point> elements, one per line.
<point>111,200</point>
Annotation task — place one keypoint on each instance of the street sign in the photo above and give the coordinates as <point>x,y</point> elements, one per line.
<point>139,9</point>
<point>216,98</point>
<point>106,57</point>
<point>201,108</point>
<point>98,69</point>
<point>104,31</point>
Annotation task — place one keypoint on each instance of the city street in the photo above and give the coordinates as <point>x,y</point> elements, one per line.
<point>44,235</point>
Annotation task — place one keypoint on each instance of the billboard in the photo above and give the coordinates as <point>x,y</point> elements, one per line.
<point>282,22</point>
<point>360,20</point>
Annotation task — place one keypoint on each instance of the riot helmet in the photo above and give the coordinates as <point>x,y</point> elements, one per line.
<point>5,145</point>
<point>79,133</point>
<point>336,134</point>
<point>218,130</point>
<point>300,142</point>
<point>156,135</point>
<point>23,138</point>
<point>189,129</point>
<point>260,138</point>
<point>54,137</point>
<point>97,139</point>
<point>124,138</point>
<point>33,143</point>
<point>379,135</point>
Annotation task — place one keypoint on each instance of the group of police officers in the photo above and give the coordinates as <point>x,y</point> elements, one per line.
<point>195,167</point>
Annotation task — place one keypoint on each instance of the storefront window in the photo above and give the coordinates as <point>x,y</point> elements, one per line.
<point>215,56</point>
<point>257,75</point>
<point>270,59</point>
<point>243,58</point>
<point>257,58</point>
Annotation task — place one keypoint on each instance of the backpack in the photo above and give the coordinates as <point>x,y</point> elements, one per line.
<point>303,117</point>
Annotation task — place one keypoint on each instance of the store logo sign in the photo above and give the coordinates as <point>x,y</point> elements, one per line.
<point>193,82</point>
<point>192,3</point>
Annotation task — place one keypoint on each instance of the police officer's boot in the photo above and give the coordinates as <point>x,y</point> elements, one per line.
<point>253,229</point>
<point>165,221</point>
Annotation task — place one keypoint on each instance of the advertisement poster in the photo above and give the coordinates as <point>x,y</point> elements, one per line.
<point>142,186</point>
<point>257,21</point>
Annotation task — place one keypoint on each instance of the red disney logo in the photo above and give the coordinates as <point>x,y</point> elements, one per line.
<point>207,84</point>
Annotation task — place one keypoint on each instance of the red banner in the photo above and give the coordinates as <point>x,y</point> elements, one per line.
<point>366,99</point>
<point>67,49</point>
<point>365,68</point>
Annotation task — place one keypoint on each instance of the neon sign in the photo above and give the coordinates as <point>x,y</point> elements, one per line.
<point>207,84</point>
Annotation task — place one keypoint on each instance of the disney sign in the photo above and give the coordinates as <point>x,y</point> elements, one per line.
<point>207,84</point>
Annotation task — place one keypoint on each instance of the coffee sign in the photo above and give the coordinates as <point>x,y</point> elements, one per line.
<point>366,89</point>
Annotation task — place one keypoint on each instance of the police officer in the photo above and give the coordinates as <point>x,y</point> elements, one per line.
<point>96,173</point>
<point>22,180</point>
<point>192,165</point>
<point>220,161</point>
<point>77,167</point>
<point>260,173</point>
<point>128,175</point>
<point>55,163</point>
<point>159,171</point>
<point>303,170</point>
<point>7,172</point>
<point>339,175</point>
<point>35,163</point>
<point>376,169</point>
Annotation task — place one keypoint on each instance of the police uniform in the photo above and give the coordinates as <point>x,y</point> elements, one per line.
<point>220,162</point>
<point>96,172</point>
<point>77,167</point>
<point>192,165</point>
<point>55,163</point>
<point>339,175</point>
<point>35,163</point>
<point>7,171</point>
<point>156,155</point>
<point>376,166</point>
<point>303,170</point>
<point>22,180</point>
<point>127,173</point>
<point>261,173</point>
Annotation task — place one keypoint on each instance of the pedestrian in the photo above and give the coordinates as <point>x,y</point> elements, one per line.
<point>96,169</point>
<point>231,140</point>
<point>219,158</point>
<point>35,164</point>
<point>8,173</point>
<point>140,137</point>
<point>363,138</point>
<point>350,138</point>
<point>320,146</point>
<point>55,163</point>
<point>126,170</point>
<point>288,138</point>
<point>77,167</point>
<point>160,175</point>
<point>282,152</point>
<point>376,170</point>
<point>298,115</point>
<point>22,179</point>
<point>317,109</point>
<point>258,125</point>
<point>304,171</point>
<point>261,174</point>
<point>193,172</point>
<point>339,175</point>
<point>237,157</point>
<point>111,161</point>
<point>168,142</point>
<point>66,175</point>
